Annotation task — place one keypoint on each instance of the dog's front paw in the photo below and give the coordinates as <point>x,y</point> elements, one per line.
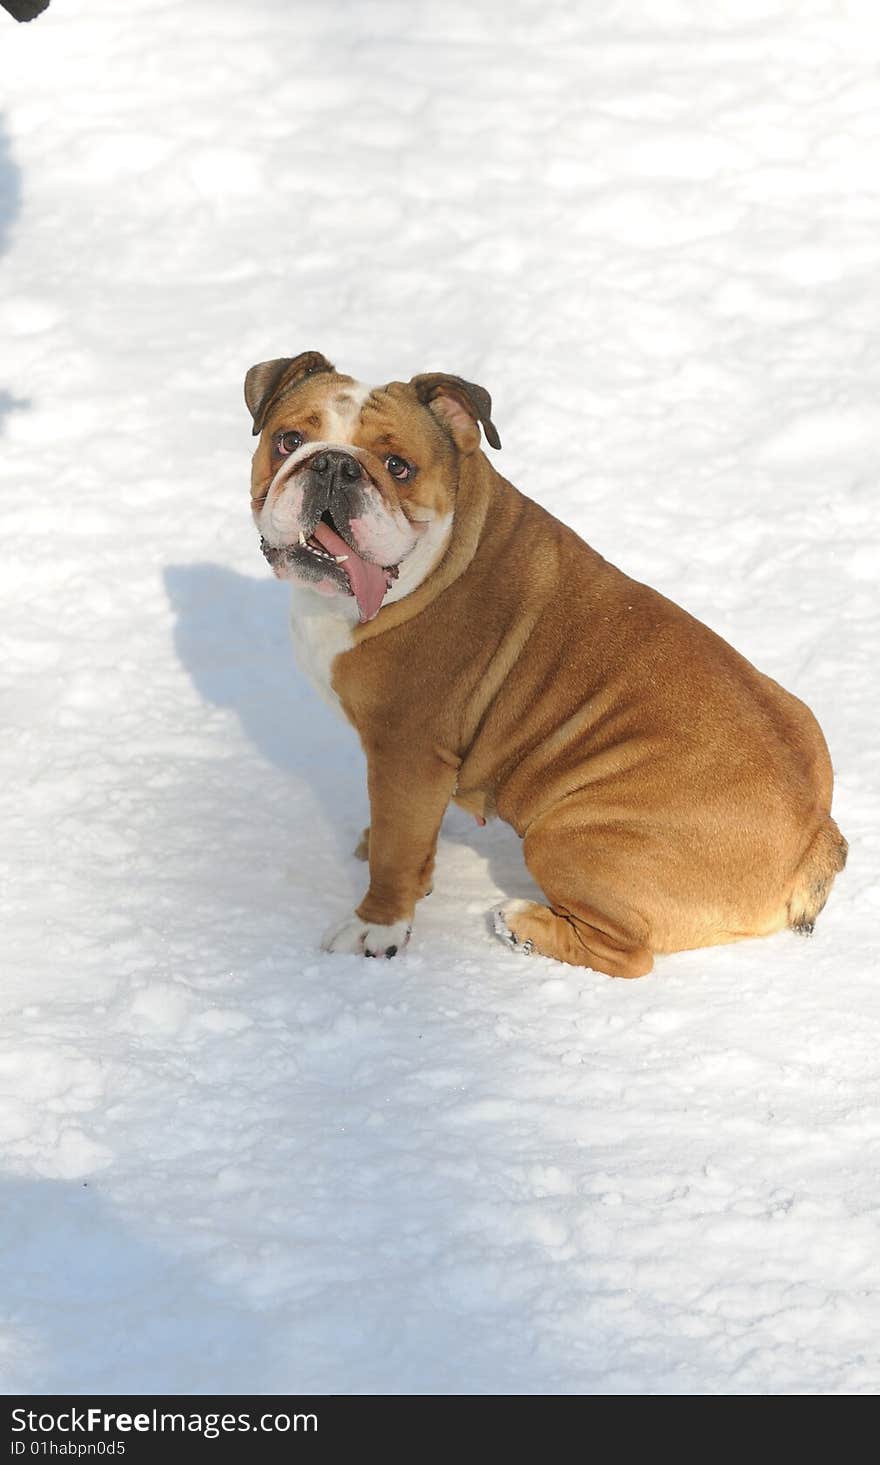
<point>358,938</point>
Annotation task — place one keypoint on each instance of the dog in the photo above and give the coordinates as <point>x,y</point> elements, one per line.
<point>667,794</point>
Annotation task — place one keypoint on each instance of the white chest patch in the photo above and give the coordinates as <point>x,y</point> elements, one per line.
<point>320,630</point>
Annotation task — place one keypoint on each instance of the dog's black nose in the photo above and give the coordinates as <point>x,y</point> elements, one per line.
<point>336,467</point>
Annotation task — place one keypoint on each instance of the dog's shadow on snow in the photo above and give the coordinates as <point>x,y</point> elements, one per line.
<point>10,204</point>
<point>231,634</point>
<point>122,1315</point>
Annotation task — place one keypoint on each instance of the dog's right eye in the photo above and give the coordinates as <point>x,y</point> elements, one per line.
<point>288,442</point>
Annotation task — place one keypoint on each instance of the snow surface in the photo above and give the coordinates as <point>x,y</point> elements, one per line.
<point>234,1164</point>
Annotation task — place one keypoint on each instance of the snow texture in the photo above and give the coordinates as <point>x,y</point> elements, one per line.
<point>230,1162</point>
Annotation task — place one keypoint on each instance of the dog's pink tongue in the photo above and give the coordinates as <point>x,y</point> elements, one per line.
<point>369,582</point>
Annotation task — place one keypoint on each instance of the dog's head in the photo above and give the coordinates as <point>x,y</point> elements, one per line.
<point>353,487</point>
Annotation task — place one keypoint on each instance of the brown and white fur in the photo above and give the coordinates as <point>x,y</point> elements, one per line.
<point>668,795</point>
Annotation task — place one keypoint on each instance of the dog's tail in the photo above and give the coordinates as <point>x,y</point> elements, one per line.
<point>825,858</point>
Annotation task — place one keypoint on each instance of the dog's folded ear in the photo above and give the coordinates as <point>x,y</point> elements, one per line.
<point>460,405</point>
<point>265,382</point>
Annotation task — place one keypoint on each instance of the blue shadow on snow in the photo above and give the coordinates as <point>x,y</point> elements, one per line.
<point>10,204</point>
<point>90,1308</point>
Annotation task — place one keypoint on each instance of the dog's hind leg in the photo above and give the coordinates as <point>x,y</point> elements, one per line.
<point>579,926</point>
<point>528,927</point>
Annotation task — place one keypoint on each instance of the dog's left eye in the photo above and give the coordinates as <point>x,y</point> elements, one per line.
<point>399,468</point>
<point>288,442</point>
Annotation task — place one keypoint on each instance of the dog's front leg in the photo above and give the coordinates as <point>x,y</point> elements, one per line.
<point>409,793</point>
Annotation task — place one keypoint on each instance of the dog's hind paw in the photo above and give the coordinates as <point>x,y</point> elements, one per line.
<point>500,916</point>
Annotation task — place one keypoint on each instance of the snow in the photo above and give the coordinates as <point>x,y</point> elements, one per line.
<point>230,1162</point>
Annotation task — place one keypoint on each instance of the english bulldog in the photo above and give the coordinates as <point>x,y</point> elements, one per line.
<point>667,794</point>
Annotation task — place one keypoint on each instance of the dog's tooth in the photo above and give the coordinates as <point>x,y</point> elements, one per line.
<point>302,539</point>
<point>340,558</point>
